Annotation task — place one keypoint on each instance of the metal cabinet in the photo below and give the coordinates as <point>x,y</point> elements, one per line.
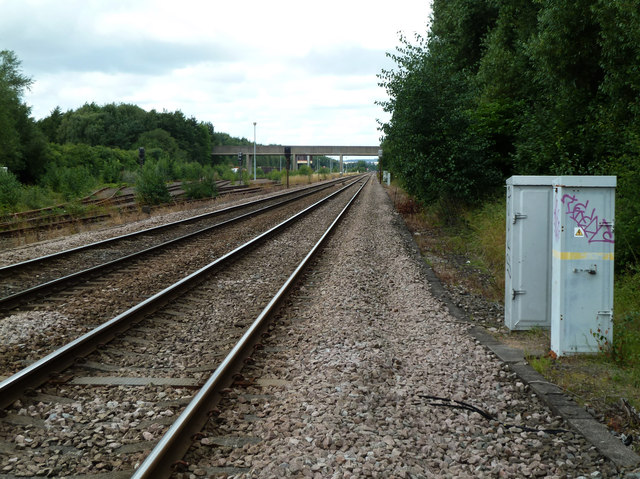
<point>527,300</point>
<point>559,259</point>
<point>582,263</point>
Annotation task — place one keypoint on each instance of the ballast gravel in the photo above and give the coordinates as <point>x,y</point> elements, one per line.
<point>348,381</point>
<point>17,254</point>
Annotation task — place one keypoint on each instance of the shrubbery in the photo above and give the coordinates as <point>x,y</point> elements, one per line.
<point>151,185</point>
<point>275,175</point>
<point>202,186</point>
<point>71,182</point>
<point>10,190</point>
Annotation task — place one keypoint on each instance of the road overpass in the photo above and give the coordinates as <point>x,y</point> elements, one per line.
<point>277,150</point>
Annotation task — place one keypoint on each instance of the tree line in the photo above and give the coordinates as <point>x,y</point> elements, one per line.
<point>66,154</point>
<point>521,87</point>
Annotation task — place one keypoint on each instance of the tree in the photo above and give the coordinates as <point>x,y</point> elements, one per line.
<point>429,143</point>
<point>21,142</point>
<point>9,190</point>
<point>49,125</point>
<point>161,139</point>
<point>501,87</point>
<point>123,125</point>
<point>504,87</point>
<point>560,133</point>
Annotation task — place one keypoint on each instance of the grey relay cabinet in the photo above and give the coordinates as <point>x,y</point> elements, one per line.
<point>527,299</point>
<point>582,265</point>
<point>559,259</point>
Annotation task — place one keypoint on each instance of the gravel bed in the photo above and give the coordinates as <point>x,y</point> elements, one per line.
<point>340,388</point>
<point>69,429</point>
<point>99,300</point>
<point>35,250</point>
<point>23,277</point>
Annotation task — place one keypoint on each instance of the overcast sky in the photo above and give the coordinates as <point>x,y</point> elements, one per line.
<point>305,71</point>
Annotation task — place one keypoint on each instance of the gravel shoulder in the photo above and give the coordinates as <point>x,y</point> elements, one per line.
<point>360,373</point>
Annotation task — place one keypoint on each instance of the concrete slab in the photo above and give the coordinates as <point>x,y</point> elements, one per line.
<point>606,443</point>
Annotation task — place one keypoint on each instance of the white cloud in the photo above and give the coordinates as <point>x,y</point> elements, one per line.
<point>305,71</point>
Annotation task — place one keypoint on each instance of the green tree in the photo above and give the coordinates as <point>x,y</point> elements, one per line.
<point>504,87</point>
<point>429,143</point>
<point>71,181</point>
<point>126,126</point>
<point>49,125</point>
<point>21,142</point>
<point>161,140</point>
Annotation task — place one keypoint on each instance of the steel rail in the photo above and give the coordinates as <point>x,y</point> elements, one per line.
<point>16,299</point>
<point>177,440</point>
<point>230,209</point>
<point>37,373</point>
<point>34,221</point>
<point>122,204</point>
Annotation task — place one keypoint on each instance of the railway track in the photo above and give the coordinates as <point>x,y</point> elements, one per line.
<point>127,397</point>
<point>122,200</point>
<point>90,298</point>
<point>20,283</point>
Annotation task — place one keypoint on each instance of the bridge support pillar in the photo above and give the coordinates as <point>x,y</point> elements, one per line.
<point>341,166</point>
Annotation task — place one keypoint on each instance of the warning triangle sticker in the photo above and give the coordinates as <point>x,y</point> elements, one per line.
<point>578,233</point>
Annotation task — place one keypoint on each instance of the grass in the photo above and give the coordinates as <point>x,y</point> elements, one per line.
<point>474,237</point>
<point>596,384</point>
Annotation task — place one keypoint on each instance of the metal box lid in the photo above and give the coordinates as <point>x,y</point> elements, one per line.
<point>531,180</point>
<point>585,181</point>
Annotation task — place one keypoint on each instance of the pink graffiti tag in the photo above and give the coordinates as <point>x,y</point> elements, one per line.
<point>595,231</point>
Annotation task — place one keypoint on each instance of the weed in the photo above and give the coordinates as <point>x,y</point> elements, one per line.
<point>541,364</point>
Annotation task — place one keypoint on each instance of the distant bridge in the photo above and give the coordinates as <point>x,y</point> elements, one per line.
<point>275,150</point>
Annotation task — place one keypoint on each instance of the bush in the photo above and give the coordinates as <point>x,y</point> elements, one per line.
<point>305,170</point>
<point>626,325</point>
<point>275,175</point>
<point>204,187</point>
<point>226,173</point>
<point>192,171</point>
<point>627,216</point>
<point>70,182</point>
<point>626,340</point>
<point>111,171</point>
<point>36,197</point>
<point>129,177</point>
<point>151,187</point>
<point>10,189</point>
